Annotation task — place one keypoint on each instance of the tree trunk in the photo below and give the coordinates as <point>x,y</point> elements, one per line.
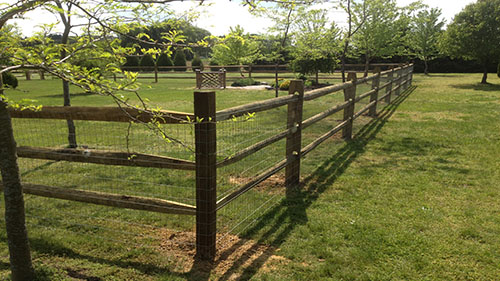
<point>367,66</point>
<point>426,67</point>
<point>71,124</point>
<point>15,224</point>
<point>485,75</point>
<point>67,99</point>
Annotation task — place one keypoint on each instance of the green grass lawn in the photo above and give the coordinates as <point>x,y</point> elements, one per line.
<point>414,196</point>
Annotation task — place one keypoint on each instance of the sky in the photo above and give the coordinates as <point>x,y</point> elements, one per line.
<point>222,14</point>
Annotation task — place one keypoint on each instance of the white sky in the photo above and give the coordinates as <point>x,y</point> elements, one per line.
<point>222,14</point>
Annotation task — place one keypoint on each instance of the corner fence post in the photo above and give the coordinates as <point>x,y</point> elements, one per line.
<point>374,97</point>
<point>349,95</point>
<point>206,171</point>
<point>388,90</point>
<point>294,141</point>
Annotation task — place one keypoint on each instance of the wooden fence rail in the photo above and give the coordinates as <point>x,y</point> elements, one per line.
<point>206,165</point>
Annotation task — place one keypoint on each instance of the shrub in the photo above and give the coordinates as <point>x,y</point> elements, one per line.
<point>284,85</point>
<point>196,63</point>
<point>147,63</point>
<point>164,60</point>
<point>213,63</point>
<point>244,82</point>
<point>131,63</point>
<point>180,60</point>
<point>9,80</point>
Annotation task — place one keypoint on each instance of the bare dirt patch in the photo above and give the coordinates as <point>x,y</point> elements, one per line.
<point>234,256</point>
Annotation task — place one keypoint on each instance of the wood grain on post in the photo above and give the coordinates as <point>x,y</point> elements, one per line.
<point>388,90</point>
<point>206,174</point>
<point>374,96</point>
<point>294,140</point>
<point>349,95</point>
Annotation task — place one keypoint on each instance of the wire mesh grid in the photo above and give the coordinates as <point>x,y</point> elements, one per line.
<point>104,141</point>
<point>233,136</point>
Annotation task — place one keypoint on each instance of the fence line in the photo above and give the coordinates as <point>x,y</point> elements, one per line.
<point>206,164</point>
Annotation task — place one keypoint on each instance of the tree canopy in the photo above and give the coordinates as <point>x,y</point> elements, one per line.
<point>475,34</point>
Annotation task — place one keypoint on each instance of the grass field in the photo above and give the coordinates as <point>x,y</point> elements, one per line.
<point>413,197</point>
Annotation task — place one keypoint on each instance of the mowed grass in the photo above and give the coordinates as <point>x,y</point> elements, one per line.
<point>413,197</point>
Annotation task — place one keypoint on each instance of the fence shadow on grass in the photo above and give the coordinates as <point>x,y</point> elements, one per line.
<point>293,210</point>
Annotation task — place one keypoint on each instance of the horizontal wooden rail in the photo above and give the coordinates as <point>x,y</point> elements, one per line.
<point>107,199</point>
<point>111,114</point>
<point>365,108</point>
<point>322,115</point>
<point>104,157</point>
<point>253,148</point>
<point>367,94</point>
<point>248,186</point>
<point>308,148</point>
<point>314,94</point>
<point>253,107</point>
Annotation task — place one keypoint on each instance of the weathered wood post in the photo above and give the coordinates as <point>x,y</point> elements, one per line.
<point>224,77</point>
<point>398,81</point>
<point>206,171</point>
<point>349,95</point>
<point>405,76</point>
<point>28,74</point>
<point>42,74</point>
<point>294,141</point>
<point>198,79</point>
<point>250,71</point>
<point>388,90</point>
<point>374,97</point>
<point>411,74</point>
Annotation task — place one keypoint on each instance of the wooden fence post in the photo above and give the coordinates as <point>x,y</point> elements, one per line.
<point>398,83</point>
<point>349,95</point>
<point>250,71</point>
<point>198,79</point>
<point>388,90</point>
<point>28,74</point>
<point>294,141</point>
<point>411,74</point>
<point>374,97</point>
<point>206,171</point>
<point>42,74</point>
<point>405,77</point>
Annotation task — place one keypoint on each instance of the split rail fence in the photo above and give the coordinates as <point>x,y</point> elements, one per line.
<point>206,162</point>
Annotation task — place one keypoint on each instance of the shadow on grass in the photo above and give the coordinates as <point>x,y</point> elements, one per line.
<point>82,94</point>
<point>293,209</point>
<point>478,87</point>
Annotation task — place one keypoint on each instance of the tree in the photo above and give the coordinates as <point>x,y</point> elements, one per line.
<point>147,62</point>
<point>164,60</point>
<point>379,33</point>
<point>315,43</point>
<point>180,60</point>
<point>236,48</point>
<point>474,34</point>
<point>424,35</point>
<point>196,63</point>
